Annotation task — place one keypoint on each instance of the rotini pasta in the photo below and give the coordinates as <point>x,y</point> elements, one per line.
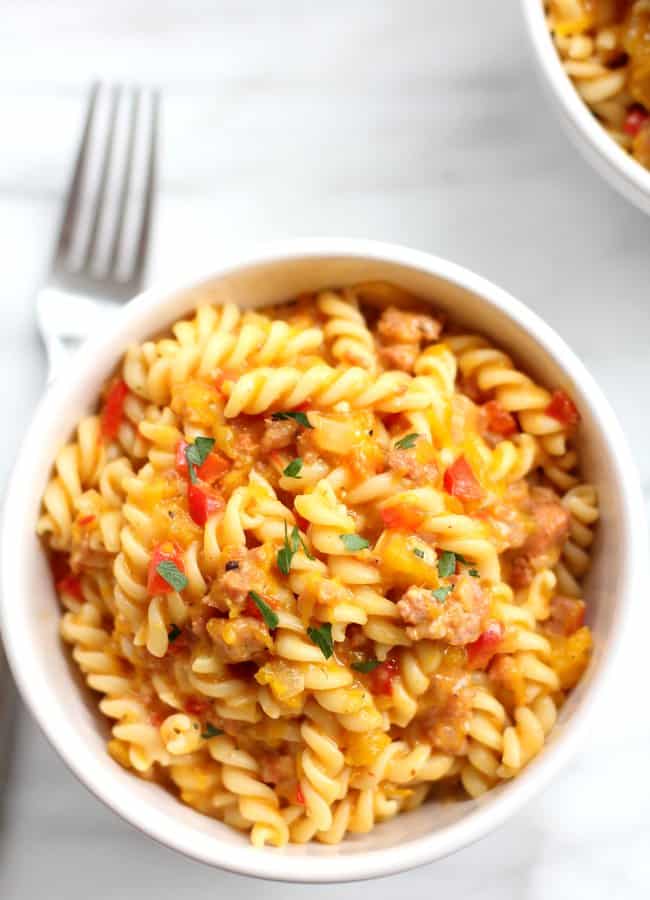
<point>315,562</point>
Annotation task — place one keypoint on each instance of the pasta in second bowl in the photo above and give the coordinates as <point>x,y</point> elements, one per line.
<point>593,57</point>
<point>322,560</point>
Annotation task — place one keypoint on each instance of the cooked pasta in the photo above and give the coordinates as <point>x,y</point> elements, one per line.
<point>321,558</point>
<point>604,46</point>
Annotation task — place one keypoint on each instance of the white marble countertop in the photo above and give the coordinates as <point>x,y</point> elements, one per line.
<point>419,122</point>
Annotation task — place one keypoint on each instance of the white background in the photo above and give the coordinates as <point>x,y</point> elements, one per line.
<point>416,121</point>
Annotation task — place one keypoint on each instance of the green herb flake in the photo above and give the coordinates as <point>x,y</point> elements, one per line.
<point>173,633</point>
<point>293,469</point>
<point>446,563</point>
<point>285,554</point>
<point>210,731</point>
<point>299,417</point>
<point>474,573</point>
<point>197,453</point>
<point>295,535</point>
<point>419,553</point>
<point>322,637</point>
<point>291,546</point>
<point>368,665</point>
<point>354,542</point>
<point>407,442</point>
<point>441,593</point>
<point>270,617</point>
<point>169,571</point>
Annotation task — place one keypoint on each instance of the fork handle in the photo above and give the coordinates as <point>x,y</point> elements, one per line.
<point>66,320</point>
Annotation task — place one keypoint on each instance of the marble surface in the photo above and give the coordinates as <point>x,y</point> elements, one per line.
<point>419,122</point>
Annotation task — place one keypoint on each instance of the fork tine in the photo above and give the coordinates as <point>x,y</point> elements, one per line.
<point>136,103</point>
<point>74,190</point>
<point>100,200</point>
<point>149,189</point>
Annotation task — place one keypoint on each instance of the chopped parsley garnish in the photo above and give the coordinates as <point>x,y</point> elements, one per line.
<point>293,469</point>
<point>299,417</point>
<point>322,637</point>
<point>474,573</point>
<point>407,442</point>
<point>419,553</point>
<point>173,633</point>
<point>447,562</point>
<point>295,533</point>
<point>270,618</point>
<point>169,571</point>
<point>291,545</point>
<point>285,554</point>
<point>197,453</point>
<point>354,542</point>
<point>441,593</point>
<point>210,731</point>
<point>368,665</point>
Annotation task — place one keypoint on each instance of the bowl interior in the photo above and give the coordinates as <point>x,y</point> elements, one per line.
<point>31,614</point>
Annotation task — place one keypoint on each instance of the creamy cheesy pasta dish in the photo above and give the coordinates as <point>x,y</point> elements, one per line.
<point>323,560</point>
<point>605,49</point>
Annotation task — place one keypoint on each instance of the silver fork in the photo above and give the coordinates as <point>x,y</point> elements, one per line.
<point>101,249</point>
<point>92,270</point>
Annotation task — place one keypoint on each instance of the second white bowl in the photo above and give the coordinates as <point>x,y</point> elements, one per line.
<point>616,166</point>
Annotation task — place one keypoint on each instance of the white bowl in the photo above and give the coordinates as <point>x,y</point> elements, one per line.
<point>30,613</point>
<point>616,166</point>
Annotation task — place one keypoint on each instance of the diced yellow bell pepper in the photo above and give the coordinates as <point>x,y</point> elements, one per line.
<point>406,559</point>
<point>171,522</point>
<point>364,748</point>
<point>570,656</point>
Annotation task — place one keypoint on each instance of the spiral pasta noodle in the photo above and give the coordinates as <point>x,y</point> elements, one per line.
<point>323,560</point>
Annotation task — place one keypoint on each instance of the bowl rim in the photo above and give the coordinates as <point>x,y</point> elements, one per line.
<point>270,863</point>
<point>635,177</point>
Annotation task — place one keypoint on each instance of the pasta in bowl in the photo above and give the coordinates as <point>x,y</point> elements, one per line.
<point>320,559</point>
<point>315,560</point>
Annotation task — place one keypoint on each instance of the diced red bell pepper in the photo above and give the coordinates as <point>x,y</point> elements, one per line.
<point>563,409</point>
<point>85,520</point>
<point>203,502</point>
<point>212,467</point>
<point>166,552</point>
<point>381,680</point>
<point>251,608</point>
<point>71,584</point>
<point>460,481</point>
<point>481,651</point>
<point>403,518</point>
<point>499,420</point>
<point>113,411</point>
<point>635,120</point>
<point>300,797</point>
